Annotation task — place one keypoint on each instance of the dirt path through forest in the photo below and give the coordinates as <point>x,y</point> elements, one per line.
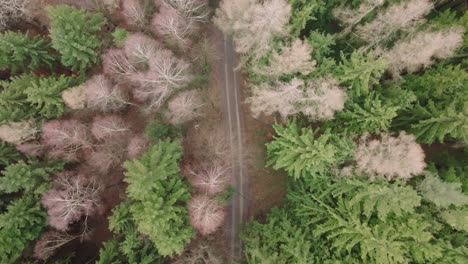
<point>229,81</point>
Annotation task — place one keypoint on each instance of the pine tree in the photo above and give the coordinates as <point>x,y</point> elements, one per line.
<point>159,195</point>
<point>128,246</point>
<point>440,111</point>
<point>442,194</point>
<point>74,35</point>
<point>360,72</point>
<point>19,52</point>
<point>13,101</point>
<point>23,222</point>
<point>33,176</point>
<point>45,95</point>
<point>302,154</point>
<point>8,154</point>
<point>371,115</point>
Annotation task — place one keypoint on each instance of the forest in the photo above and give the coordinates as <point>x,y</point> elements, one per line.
<point>117,145</point>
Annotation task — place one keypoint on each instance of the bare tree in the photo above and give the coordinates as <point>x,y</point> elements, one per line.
<point>140,49</point>
<point>351,16</point>
<point>210,179</point>
<point>202,253</point>
<point>116,64</point>
<point>166,74</point>
<point>320,100</point>
<point>73,197</point>
<point>253,24</point>
<point>13,10</point>
<point>109,127</point>
<point>102,95</point>
<point>194,10</point>
<point>206,215</point>
<point>31,148</point>
<point>420,51</point>
<point>170,24</point>
<point>323,97</point>
<point>65,138</point>
<point>295,58</point>
<point>50,242</point>
<point>399,16</point>
<point>137,145</point>
<point>106,156</point>
<point>185,106</point>
<point>134,12</point>
<point>392,157</point>
<point>281,98</point>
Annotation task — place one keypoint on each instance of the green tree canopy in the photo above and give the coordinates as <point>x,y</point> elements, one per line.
<point>74,34</point>
<point>158,196</point>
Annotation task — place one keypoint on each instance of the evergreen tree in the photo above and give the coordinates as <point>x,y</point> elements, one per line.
<point>360,72</point>
<point>301,153</point>
<point>29,96</point>
<point>8,154</point>
<point>19,52</point>
<point>33,176</point>
<point>13,100</point>
<point>159,194</point>
<point>440,110</point>
<point>45,95</point>
<point>23,222</point>
<point>74,34</point>
<point>128,246</point>
<point>371,115</point>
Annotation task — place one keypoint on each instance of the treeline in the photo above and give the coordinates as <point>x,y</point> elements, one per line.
<point>370,98</point>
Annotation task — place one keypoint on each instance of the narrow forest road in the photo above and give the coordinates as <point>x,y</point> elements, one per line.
<point>231,98</point>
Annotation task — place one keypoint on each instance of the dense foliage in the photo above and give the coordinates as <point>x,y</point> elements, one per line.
<point>301,153</point>
<point>23,222</point>
<point>74,34</point>
<point>29,95</point>
<point>158,194</point>
<point>19,52</point>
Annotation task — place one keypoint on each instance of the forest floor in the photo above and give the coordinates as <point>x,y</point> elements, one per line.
<point>256,188</point>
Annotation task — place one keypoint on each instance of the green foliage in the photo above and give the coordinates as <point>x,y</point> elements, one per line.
<point>119,36</point>
<point>277,241</point>
<point>158,130</point>
<point>33,176</point>
<point>361,71</point>
<point>13,100</point>
<point>74,34</point>
<point>303,12</point>
<point>346,221</point>
<point>390,237</point>
<point>29,96</point>
<point>159,195</point>
<point>19,52</point>
<point>451,167</point>
<point>302,154</point>
<point>8,154</point>
<point>109,253</point>
<point>456,218</point>
<point>23,222</point>
<point>128,246</point>
<point>442,194</point>
<point>379,198</point>
<point>322,44</point>
<point>45,95</point>
<point>370,115</point>
<point>441,110</point>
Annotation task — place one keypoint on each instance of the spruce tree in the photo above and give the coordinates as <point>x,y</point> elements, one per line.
<point>22,223</point>
<point>302,153</point>
<point>20,52</point>
<point>74,34</point>
<point>158,196</point>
